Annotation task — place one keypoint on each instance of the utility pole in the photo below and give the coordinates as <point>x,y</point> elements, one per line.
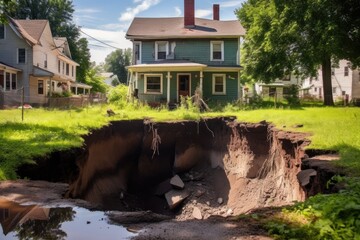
<point>22,103</point>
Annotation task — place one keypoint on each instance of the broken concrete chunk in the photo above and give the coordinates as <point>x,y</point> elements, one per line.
<point>176,182</point>
<point>163,187</point>
<point>197,213</point>
<point>220,200</point>
<point>174,198</point>
<point>304,176</point>
<point>229,212</point>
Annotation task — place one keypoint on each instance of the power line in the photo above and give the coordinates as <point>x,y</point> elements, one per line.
<point>98,40</point>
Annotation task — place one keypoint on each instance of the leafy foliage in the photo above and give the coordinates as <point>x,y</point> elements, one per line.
<point>298,36</point>
<point>94,79</point>
<point>335,216</point>
<point>117,61</point>
<point>118,95</point>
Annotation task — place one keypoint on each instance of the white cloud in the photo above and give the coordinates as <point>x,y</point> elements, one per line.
<point>201,13</point>
<point>98,50</point>
<point>178,12</point>
<point>132,12</point>
<point>230,4</point>
<point>114,26</point>
<point>87,10</point>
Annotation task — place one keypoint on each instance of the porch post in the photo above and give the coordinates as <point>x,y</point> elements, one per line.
<point>168,88</point>
<point>239,87</point>
<point>136,79</point>
<point>201,83</point>
<point>76,90</point>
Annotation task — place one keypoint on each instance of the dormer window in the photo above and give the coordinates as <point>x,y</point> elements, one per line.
<point>217,51</point>
<point>161,50</point>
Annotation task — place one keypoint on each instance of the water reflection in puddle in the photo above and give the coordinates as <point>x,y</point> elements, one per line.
<point>33,222</point>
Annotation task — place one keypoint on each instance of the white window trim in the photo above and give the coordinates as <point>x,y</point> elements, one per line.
<point>157,48</point>
<point>4,32</point>
<point>17,56</point>
<point>161,83</point>
<point>140,50</point>
<point>222,50</point>
<point>11,80</point>
<point>213,84</point>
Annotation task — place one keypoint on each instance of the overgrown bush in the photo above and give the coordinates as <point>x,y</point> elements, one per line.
<point>117,95</point>
<point>334,216</point>
<point>292,96</point>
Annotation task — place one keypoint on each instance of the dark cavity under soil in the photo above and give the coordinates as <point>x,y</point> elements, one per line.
<point>228,167</point>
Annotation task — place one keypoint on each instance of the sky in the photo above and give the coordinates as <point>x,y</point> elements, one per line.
<point>108,20</point>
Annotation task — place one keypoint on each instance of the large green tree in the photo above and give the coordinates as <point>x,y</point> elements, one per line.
<point>117,61</point>
<point>299,36</point>
<point>60,16</point>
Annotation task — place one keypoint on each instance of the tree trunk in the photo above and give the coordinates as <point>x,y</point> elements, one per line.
<point>326,76</point>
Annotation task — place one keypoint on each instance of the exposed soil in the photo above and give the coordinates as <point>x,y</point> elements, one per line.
<point>228,168</point>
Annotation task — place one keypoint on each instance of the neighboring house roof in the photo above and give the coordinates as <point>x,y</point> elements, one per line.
<point>31,30</point>
<point>107,74</point>
<point>157,28</point>
<point>4,66</point>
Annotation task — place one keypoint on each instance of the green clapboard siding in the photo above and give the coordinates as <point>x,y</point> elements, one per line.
<point>194,50</point>
<point>231,87</point>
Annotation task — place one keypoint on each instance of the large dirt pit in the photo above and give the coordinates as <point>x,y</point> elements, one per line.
<point>190,169</point>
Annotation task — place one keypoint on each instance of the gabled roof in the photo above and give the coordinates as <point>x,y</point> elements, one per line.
<point>31,29</point>
<point>161,28</point>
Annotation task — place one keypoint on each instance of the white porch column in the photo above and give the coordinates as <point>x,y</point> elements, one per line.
<point>240,92</point>
<point>168,87</point>
<point>76,93</point>
<point>201,83</point>
<point>136,79</point>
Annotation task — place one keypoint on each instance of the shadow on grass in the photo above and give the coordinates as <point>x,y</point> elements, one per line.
<point>21,143</point>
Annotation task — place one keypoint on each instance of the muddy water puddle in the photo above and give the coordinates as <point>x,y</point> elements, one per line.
<point>34,222</point>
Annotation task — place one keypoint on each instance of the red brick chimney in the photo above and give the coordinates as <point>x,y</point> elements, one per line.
<point>189,13</point>
<point>216,12</point>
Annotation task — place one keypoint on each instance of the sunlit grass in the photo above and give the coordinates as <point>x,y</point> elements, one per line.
<point>44,131</point>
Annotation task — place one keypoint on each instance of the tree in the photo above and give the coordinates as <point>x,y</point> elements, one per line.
<point>299,36</point>
<point>94,79</point>
<point>6,6</point>
<point>117,61</point>
<point>59,13</point>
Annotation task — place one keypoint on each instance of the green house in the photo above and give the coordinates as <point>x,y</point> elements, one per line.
<point>175,56</point>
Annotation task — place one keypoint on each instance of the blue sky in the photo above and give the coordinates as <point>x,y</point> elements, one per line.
<point>108,20</point>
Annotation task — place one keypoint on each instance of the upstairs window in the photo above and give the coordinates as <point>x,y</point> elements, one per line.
<point>2,31</point>
<point>67,69</point>
<point>346,71</point>
<point>21,55</point>
<point>219,84</point>
<point>217,51</point>
<point>161,50</point>
<point>153,83</point>
<point>72,71</point>
<point>59,66</point>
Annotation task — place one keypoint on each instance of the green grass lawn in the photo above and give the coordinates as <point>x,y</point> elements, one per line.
<point>44,131</point>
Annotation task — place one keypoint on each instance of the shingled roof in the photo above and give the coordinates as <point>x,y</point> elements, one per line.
<point>158,28</point>
<point>31,29</point>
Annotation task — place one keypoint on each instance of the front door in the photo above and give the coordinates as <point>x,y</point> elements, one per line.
<point>184,85</point>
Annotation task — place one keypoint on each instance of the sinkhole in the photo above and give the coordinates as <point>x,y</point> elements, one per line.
<point>219,166</point>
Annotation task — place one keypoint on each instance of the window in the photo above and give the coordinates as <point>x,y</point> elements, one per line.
<point>8,82</point>
<point>41,87</point>
<point>217,51</point>
<point>219,84</point>
<point>2,31</point>
<point>137,52</point>
<point>21,55</point>
<point>63,68</point>
<point>1,79</point>
<point>72,71</point>
<point>286,77</point>
<point>346,71</point>
<point>13,81</point>
<point>334,90</point>
<point>153,83</point>
<point>315,89</point>
<point>67,69</point>
<point>59,66</point>
<point>161,50</point>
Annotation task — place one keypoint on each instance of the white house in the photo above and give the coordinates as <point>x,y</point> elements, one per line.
<point>345,83</point>
<point>278,88</point>
<point>31,58</point>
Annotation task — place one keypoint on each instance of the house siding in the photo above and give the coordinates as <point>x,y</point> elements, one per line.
<point>8,54</point>
<point>195,50</point>
<point>232,87</point>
